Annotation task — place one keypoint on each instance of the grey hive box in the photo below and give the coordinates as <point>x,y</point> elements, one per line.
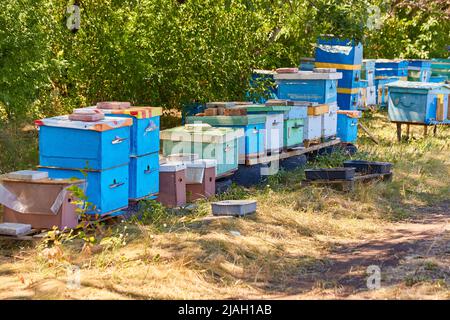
<point>233,207</point>
<point>27,175</point>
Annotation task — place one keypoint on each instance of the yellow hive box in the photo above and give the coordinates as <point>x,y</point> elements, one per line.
<point>318,110</point>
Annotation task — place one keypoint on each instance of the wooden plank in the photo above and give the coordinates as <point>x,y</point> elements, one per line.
<point>399,132</point>
<point>292,153</point>
<point>368,133</point>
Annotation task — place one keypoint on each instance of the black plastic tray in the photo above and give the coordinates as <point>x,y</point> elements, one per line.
<point>330,174</point>
<point>369,167</point>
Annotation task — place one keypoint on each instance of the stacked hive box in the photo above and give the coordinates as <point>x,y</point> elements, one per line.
<point>346,57</point>
<point>419,70</point>
<point>99,150</point>
<point>368,93</point>
<point>144,149</point>
<point>220,144</point>
<point>417,102</point>
<point>316,88</point>
<point>306,64</point>
<point>252,144</point>
<point>388,71</point>
<point>440,69</point>
<point>347,129</point>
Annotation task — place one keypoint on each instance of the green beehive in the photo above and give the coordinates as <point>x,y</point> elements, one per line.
<point>221,144</point>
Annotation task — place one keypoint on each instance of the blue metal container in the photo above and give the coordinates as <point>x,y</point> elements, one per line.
<point>308,86</point>
<point>391,68</point>
<point>107,190</point>
<point>419,70</point>
<point>347,128</point>
<point>77,145</point>
<point>252,143</point>
<point>418,102</point>
<point>336,51</point>
<point>144,176</point>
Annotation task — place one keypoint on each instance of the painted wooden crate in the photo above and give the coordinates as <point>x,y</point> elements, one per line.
<point>440,67</point>
<point>418,102</point>
<point>347,125</point>
<point>329,122</point>
<point>368,71</point>
<point>391,68</point>
<point>252,144</point>
<point>419,70</point>
<point>313,128</point>
<point>383,90</point>
<point>274,136</point>
<point>76,144</point>
<point>144,137</point>
<point>348,101</point>
<point>221,144</point>
<point>294,124</point>
<point>107,190</point>
<point>331,52</point>
<point>144,176</point>
<point>308,86</point>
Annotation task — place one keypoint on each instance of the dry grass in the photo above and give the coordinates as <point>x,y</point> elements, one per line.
<point>282,252</point>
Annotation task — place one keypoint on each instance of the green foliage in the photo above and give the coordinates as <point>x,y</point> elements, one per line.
<point>169,53</point>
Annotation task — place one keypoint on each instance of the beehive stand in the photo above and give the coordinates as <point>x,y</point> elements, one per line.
<point>292,153</point>
<point>408,128</point>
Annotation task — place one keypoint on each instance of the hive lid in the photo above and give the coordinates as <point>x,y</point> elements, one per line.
<point>108,123</point>
<point>419,85</point>
<point>172,166</point>
<point>205,134</point>
<point>202,163</point>
<point>351,113</point>
<point>136,112</point>
<point>265,108</point>
<point>27,175</point>
<point>308,75</point>
<point>229,120</point>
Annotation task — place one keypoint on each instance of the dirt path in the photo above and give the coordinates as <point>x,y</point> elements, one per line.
<point>408,253</point>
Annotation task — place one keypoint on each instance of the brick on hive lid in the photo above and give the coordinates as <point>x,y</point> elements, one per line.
<point>87,115</point>
<point>287,70</point>
<point>113,105</point>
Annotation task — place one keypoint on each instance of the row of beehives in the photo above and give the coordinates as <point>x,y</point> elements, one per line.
<point>111,152</point>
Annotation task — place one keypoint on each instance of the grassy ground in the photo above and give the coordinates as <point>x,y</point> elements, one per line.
<point>302,243</point>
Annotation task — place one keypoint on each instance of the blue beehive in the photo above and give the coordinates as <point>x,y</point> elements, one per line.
<point>418,102</point>
<point>391,68</point>
<point>339,54</point>
<point>191,109</point>
<point>438,79</point>
<point>101,148</point>
<point>308,86</point>
<point>419,70</point>
<point>106,189</point>
<point>347,126</point>
<point>144,141</point>
<point>251,145</point>
<point>368,71</point>
<point>144,176</point>
<point>76,144</point>
<point>348,101</point>
<point>382,90</point>
<point>306,64</point>
<point>350,78</point>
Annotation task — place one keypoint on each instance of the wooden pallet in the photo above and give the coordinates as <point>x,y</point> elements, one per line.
<point>349,185</point>
<point>293,152</point>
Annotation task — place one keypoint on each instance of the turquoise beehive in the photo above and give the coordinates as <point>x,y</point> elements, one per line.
<point>418,102</point>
